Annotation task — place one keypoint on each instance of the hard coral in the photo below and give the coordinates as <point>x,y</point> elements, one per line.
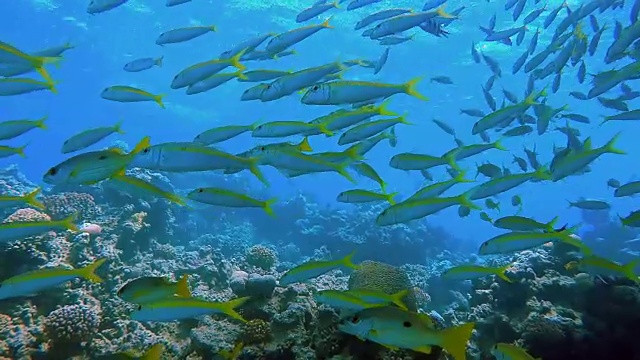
<point>66,204</point>
<point>27,214</point>
<point>71,325</point>
<point>256,331</point>
<point>261,256</point>
<point>373,275</point>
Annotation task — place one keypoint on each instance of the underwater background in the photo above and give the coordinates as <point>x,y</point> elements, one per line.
<point>549,309</point>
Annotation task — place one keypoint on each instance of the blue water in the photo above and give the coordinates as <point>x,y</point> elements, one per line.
<point>105,42</point>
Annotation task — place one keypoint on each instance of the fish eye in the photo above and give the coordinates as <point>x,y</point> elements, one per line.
<point>200,190</point>
<point>52,171</point>
<point>355,320</point>
<point>139,307</point>
<point>102,157</point>
<point>406,324</point>
<point>146,150</point>
<point>262,148</point>
<point>316,87</point>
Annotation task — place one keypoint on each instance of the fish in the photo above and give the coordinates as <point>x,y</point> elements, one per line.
<point>313,269</point>
<point>469,272</point>
<point>521,223</point>
<point>369,129</point>
<point>13,128</point>
<point>177,308</point>
<point>365,196</point>
<point>315,10</point>
<point>227,198</point>
<point>366,170</point>
<point>143,64</point>
<point>134,184</point>
<point>100,6</point>
<point>124,93</point>
<point>89,137</point>
<point>597,265</point>
<point>33,282</point>
<point>342,300</point>
<point>503,351</point>
<point>183,34</point>
<point>516,241</point>
<point>19,86</point>
<point>30,199</point>
<point>222,133</point>
<point>18,230</point>
<point>349,92</point>
<point>408,210</point>
<point>152,288</point>
<point>396,328</point>
<point>92,167</point>
<point>285,40</point>
<point>380,297</point>
<point>203,70</point>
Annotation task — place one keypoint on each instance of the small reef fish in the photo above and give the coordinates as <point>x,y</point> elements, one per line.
<point>100,6</point>
<point>521,223</point>
<point>365,196</point>
<point>468,272</point>
<point>597,265</point>
<point>31,283</point>
<point>13,128</point>
<point>517,241</point>
<point>19,230</point>
<point>396,328</point>
<point>149,289</point>
<point>313,269</point>
<point>90,228</point>
<point>7,151</point>
<point>31,199</point>
<point>19,86</point>
<point>223,197</point>
<point>89,137</point>
<point>222,133</point>
<point>134,184</point>
<point>172,309</point>
<point>123,93</point>
<point>342,92</point>
<point>381,297</point>
<point>143,64</point>
<point>503,351</point>
<point>183,34</point>
<point>342,300</point>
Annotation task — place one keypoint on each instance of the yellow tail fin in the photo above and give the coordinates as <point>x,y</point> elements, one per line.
<point>158,100</point>
<point>304,145</point>
<point>154,352</point>
<point>182,287</point>
<point>454,340</point>
<point>69,222</point>
<point>410,88</point>
<point>501,273</point>
<point>397,299</point>
<point>229,308</point>
<point>88,272</point>
<point>31,199</point>
<point>267,206</point>
<point>40,122</point>
<point>347,261</point>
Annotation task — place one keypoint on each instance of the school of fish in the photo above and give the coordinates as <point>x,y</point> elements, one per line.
<point>362,121</point>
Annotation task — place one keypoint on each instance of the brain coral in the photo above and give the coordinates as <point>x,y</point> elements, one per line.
<point>373,275</point>
<point>72,324</point>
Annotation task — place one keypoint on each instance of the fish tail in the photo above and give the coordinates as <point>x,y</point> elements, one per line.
<point>336,4</point>
<point>397,299</point>
<point>69,222</point>
<point>391,196</point>
<point>88,272</point>
<point>570,204</point>
<point>158,61</point>
<point>323,128</point>
<point>403,120</point>
<point>501,273</point>
<point>31,199</point>
<point>542,173</point>
<point>154,352</point>
<point>610,146</point>
<point>383,111</point>
<point>454,340</point>
<point>182,287</point>
<point>498,145</point>
<point>229,308</point>
<point>20,151</point>
<point>255,170</point>
<point>143,144</point>
<point>158,99</point>
<point>461,177</point>
<point>465,201</point>
<point>443,14</point>
<point>326,24</point>
<point>267,206</point>
<point>393,138</point>
<point>411,88</point>
<point>342,170</point>
<point>118,127</point>
<point>347,261</point>
<point>304,145</point>
<point>40,122</point>
<point>235,60</point>
<point>352,153</point>
<point>628,270</point>
<point>383,186</point>
<point>551,224</point>
<point>240,75</point>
